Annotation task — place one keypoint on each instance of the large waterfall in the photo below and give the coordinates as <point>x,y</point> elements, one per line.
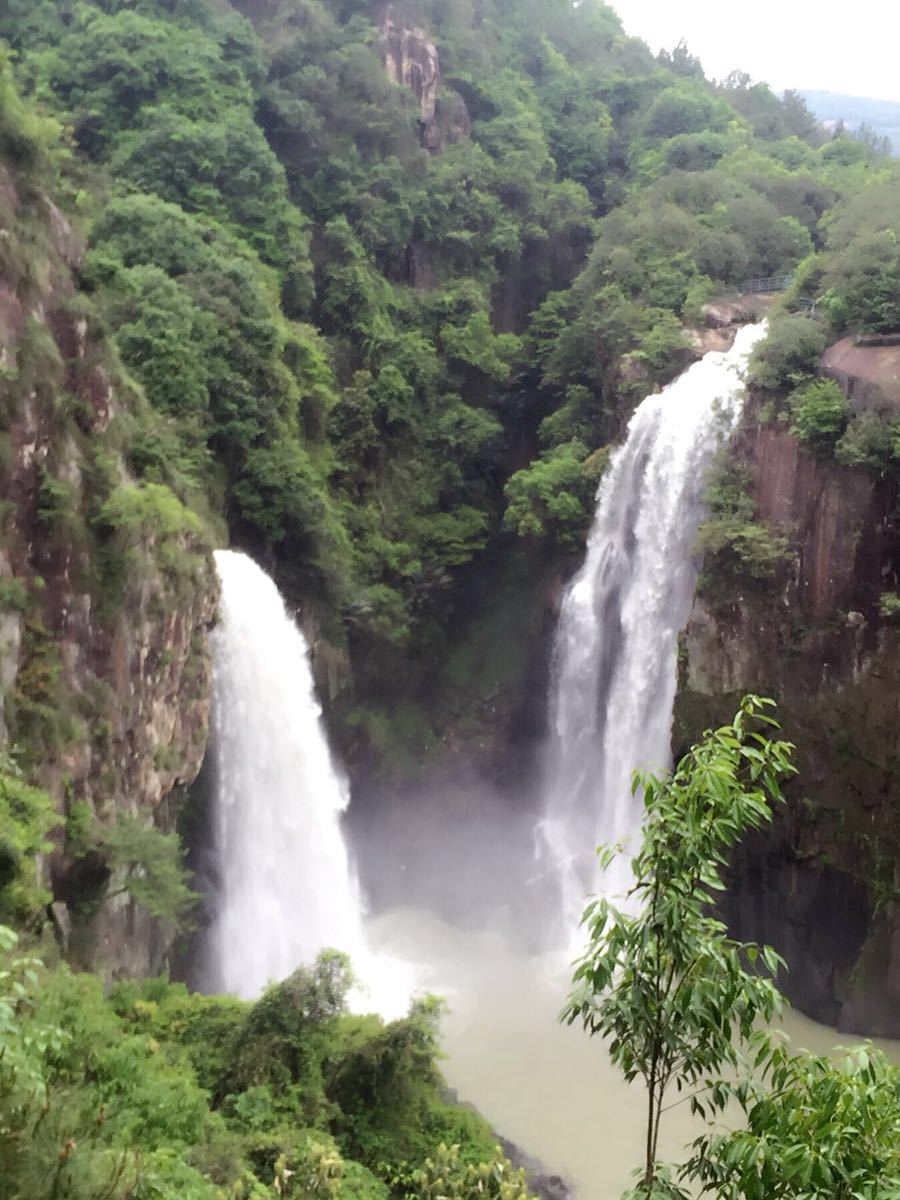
<point>287,890</point>
<point>615,667</point>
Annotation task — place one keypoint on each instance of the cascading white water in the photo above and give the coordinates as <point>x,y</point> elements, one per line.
<point>287,890</point>
<point>615,668</point>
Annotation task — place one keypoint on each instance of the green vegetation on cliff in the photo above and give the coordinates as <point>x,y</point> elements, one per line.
<point>384,334</point>
<point>853,280</point>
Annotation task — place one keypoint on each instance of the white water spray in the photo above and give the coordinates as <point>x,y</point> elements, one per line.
<point>287,890</point>
<point>615,668</point>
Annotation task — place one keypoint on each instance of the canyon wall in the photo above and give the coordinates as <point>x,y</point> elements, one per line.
<point>106,589</point>
<point>822,886</point>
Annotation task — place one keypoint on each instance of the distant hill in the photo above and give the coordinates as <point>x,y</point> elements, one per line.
<point>882,115</point>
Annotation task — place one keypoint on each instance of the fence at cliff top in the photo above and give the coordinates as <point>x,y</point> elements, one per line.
<point>768,285</point>
<point>765,285</point>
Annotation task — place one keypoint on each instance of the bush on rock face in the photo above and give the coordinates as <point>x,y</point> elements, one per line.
<point>789,355</point>
<point>447,1177</point>
<point>820,414</point>
<point>27,815</point>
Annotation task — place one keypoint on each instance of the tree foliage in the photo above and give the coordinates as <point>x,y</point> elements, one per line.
<point>27,816</point>
<point>676,996</point>
<point>141,1094</point>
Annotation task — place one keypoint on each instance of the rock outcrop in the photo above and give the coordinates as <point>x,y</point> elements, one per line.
<point>104,667</point>
<point>822,886</point>
<point>411,60</point>
<point>868,370</point>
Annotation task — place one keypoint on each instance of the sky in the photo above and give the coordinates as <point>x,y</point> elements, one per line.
<point>850,46</point>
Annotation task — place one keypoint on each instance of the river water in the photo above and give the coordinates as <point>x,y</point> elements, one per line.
<point>545,1086</point>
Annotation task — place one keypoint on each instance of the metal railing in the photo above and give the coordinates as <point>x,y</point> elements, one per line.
<point>767,284</point>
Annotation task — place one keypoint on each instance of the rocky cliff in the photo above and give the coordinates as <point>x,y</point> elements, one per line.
<point>412,61</point>
<point>106,587</point>
<point>820,638</point>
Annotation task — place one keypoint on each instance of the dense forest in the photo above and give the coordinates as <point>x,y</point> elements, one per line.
<point>382,337</point>
<point>370,290</point>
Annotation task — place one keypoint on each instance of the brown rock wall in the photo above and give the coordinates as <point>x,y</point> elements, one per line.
<point>821,885</point>
<point>126,676</point>
<point>868,374</point>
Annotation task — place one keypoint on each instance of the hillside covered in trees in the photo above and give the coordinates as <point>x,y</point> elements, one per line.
<point>380,332</point>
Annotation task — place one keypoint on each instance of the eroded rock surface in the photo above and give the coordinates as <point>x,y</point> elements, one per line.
<point>869,373</point>
<point>412,61</point>
<point>104,680</point>
<point>821,885</point>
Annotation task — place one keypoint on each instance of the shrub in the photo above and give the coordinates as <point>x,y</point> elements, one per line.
<point>446,1176</point>
<point>871,441</point>
<point>146,525</point>
<point>13,594</point>
<point>732,538</point>
<point>552,496</point>
<point>26,817</point>
<point>147,864</point>
<point>789,355</point>
<point>820,414</point>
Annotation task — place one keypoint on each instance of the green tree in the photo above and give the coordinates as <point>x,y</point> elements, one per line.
<point>863,284</point>
<point>820,414</point>
<point>27,816</point>
<point>676,996</point>
<point>815,1129</point>
<point>147,865</point>
<point>552,495</point>
<point>789,354</point>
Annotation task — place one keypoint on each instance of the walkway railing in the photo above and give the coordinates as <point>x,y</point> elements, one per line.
<point>767,284</point>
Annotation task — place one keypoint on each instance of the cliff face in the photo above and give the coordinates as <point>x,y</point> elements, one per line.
<point>822,885</point>
<point>411,60</point>
<point>104,666</point>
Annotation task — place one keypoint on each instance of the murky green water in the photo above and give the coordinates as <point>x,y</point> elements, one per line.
<point>547,1087</point>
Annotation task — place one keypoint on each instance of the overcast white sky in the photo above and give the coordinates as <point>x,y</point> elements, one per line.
<point>852,46</point>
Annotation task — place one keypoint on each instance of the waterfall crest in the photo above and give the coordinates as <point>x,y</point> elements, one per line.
<point>287,890</point>
<point>615,656</point>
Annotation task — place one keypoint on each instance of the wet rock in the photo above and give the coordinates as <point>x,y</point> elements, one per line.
<point>541,1183</point>
<point>703,341</point>
<point>726,315</point>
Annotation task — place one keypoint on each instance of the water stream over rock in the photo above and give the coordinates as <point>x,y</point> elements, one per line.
<point>287,890</point>
<point>615,667</point>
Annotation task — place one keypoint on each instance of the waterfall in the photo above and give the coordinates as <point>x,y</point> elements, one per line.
<point>287,890</point>
<point>616,646</point>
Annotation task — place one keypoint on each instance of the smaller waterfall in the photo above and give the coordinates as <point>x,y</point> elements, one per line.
<point>615,667</point>
<point>287,890</point>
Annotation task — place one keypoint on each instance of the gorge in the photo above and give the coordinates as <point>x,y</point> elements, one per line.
<point>368,428</point>
<point>640,565</point>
